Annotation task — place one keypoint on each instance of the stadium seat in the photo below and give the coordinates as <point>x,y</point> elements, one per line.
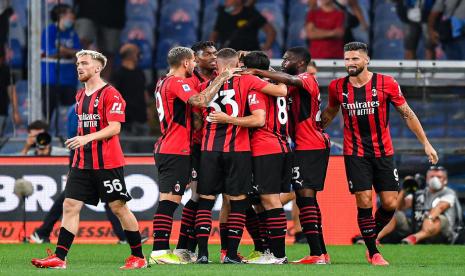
<point>141,10</point>
<point>146,53</point>
<point>456,132</point>
<point>181,31</point>
<point>298,10</point>
<point>20,11</point>
<point>435,132</point>
<point>163,47</point>
<point>396,131</point>
<point>175,13</point>
<point>17,59</point>
<point>273,13</point>
<point>296,35</point>
<point>436,118</point>
<point>138,30</point>
<point>190,4</point>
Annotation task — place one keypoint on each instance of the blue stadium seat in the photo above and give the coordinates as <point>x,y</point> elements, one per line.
<point>17,60</point>
<point>456,132</point>
<point>138,30</point>
<point>208,25</point>
<point>296,35</point>
<point>20,9</point>
<point>179,31</point>
<point>298,10</point>
<point>396,131</point>
<point>278,3</point>
<point>174,13</point>
<point>190,4</point>
<point>273,13</point>
<point>435,132</point>
<point>436,118</point>
<point>163,46</point>
<point>146,52</point>
<point>141,10</point>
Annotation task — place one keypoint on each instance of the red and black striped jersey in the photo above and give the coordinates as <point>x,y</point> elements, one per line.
<point>195,81</point>
<point>272,137</point>
<point>94,113</point>
<point>232,100</point>
<point>174,114</point>
<point>366,114</point>
<point>306,115</point>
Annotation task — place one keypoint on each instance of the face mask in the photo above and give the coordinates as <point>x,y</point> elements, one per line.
<point>67,24</point>
<point>229,9</point>
<point>434,183</point>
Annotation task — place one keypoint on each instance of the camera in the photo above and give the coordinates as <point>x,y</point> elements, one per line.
<point>413,183</point>
<point>43,140</point>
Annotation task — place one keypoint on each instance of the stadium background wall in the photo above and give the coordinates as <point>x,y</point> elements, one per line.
<point>48,176</point>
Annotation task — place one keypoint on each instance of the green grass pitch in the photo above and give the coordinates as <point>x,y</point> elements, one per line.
<point>346,260</point>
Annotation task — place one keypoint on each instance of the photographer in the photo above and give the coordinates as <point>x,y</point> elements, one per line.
<point>33,129</point>
<point>437,211</point>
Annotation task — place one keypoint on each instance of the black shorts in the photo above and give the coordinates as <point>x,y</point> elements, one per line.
<point>309,170</point>
<point>272,173</point>
<point>195,162</point>
<point>225,172</point>
<point>366,172</point>
<point>173,172</point>
<point>91,185</point>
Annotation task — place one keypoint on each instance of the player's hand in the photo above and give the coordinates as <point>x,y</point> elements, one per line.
<point>76,142</point>
<point>431,153</point>
<point>219,117</point>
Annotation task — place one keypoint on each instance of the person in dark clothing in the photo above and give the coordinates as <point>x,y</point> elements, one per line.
<point>130,81</point>
<point>100,23</point>
<point>237,27</point>
<point>7,94</point>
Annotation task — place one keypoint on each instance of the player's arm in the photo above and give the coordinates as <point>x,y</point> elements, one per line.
<point>257,119</point>
<point>333,106</point>
<point>197,120</point>
<point>328,115</point>
<point>278,77</point>
<point>203,98</point>
<point>415,126</point>
<point>109,131</point>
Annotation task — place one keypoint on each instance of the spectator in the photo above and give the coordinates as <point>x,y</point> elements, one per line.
<point>59,43</point>
<point>437,212</point>
<point>414,13</point>
<point>7,94</point>
<point>325,30</point>
<point>451,36</point>
<point>33,129</point>
<point>130,81</point>
<point>237,27</point>
<point>100,23</point>
<point>5,12</point>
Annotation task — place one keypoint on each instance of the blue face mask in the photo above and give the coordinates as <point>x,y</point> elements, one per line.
<point>229,9</point>
<point>67,24</point>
